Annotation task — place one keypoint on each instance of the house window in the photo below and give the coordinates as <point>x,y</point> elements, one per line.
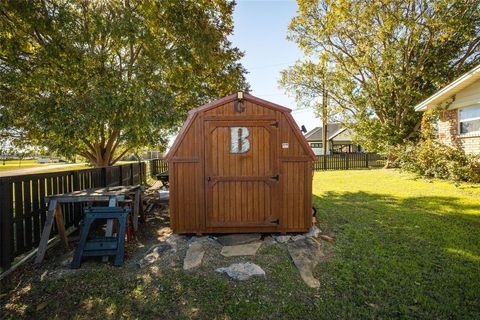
<point>316,145</point>
<point>469,119</point>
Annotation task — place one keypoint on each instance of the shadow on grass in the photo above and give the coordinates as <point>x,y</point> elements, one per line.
<point>401,257</point>
<point>393,258</point>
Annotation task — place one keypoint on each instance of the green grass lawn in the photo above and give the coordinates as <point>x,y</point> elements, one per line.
<point>405,248</point>
<point>43,167</point>
<point>17,164</point>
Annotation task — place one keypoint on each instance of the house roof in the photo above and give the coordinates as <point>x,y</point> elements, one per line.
<point>333,129</point>
<point>450,90</point>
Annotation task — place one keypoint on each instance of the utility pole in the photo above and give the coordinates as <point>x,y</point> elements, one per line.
<point>324,116</point>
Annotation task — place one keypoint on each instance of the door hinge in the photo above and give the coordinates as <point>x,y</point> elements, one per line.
<point>275,124</point>
<point>277,177</point>
<point>277,221</point>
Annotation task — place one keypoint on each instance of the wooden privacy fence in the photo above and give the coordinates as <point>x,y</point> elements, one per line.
<point>345,161</point>
<point>157,166</point>
<point>23,208</point>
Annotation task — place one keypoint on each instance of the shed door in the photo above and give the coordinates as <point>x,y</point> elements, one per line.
<point>242,174</point>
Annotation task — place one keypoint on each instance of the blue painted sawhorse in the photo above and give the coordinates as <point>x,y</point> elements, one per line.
<point>102,246</point>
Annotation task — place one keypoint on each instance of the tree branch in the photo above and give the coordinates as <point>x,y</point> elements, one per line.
<point>120,156</point>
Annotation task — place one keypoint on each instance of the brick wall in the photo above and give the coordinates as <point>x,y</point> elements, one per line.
<point>448,133</point>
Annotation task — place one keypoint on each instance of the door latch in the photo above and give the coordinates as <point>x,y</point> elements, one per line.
<point>275,124</point>
<point>277,177</point>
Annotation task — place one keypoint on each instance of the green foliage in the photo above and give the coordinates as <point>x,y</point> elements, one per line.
<point>378,59</point>
<point>430,158</point>
<point>435,160</point>
<point>99,78</point>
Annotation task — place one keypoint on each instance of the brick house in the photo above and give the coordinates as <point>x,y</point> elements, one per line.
<point>459,117</point>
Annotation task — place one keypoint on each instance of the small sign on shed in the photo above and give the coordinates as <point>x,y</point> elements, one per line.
<point>240,164</point>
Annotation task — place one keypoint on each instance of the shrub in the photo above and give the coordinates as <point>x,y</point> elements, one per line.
<point>432,159</point>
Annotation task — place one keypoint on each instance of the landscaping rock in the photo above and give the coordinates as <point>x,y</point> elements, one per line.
<point>268,241</point>
<point>194,256</point>
<point>174,240</point>
<point>248,249</point>
<point>242,271</point>
<point>282,239</point>
<point>327,238</point>
<point>154,254</point>
<point>305,255</point>
<point>238,238</point>
<point>58,273</point>
<point>298,237</point>
<point>314,232</point>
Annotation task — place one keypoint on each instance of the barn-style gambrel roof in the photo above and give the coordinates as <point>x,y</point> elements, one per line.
<point>247,97</point>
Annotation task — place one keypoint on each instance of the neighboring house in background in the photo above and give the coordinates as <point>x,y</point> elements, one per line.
<point>152,154</point>
<point>459,119</point>
<point>339,140</point>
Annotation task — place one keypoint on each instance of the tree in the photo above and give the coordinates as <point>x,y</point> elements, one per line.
<point>383,58</point>
<point>100,78</point>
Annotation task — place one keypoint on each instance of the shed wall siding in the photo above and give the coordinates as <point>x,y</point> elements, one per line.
<point>190,148</point>
<point>287,136</point>
<point>294,203</point>
<point>186,200</point>
<point>251,109</point>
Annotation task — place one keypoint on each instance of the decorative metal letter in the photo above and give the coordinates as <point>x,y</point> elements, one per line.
<point>238,140</point>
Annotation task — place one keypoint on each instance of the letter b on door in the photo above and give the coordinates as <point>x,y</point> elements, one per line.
<point>238,140</point>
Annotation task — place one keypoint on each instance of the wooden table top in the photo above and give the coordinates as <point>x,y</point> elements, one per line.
<point>94,194</point>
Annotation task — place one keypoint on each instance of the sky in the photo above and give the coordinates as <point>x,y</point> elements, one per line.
<point>260,31</point>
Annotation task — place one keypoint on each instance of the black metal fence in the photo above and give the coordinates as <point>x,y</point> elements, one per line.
<point>345,161</point>
<point>23,208</point>
<point>338,161</point>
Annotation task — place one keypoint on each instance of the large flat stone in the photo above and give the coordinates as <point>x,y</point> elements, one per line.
<point>282,239</point>
<point>268,241</point>
<point>154,254</point>
<point>248,249</point>
<point>313,232</point>
<point>306,254</point>
<point>238,238</point>
<point>194,256</point>
<point>242,271</point>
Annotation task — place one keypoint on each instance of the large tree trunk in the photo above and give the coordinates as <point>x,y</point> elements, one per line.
<point>102,153</point>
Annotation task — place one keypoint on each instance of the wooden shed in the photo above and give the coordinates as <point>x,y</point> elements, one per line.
<point>240,164</point>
